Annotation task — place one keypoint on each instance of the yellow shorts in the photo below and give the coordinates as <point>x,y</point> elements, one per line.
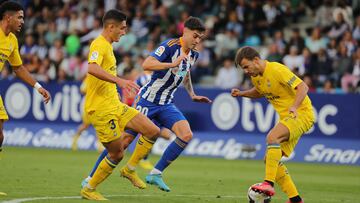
<point>3,114</point>
<point>111,123</point>
<point>297,127</point>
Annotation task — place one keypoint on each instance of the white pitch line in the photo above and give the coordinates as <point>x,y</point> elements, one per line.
<point>125,195</point>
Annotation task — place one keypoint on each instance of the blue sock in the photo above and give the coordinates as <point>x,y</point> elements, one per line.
<point>171,153</point>
<point>101,157</point>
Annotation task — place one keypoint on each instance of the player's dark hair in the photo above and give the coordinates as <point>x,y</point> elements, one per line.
<point>247,52</point>
<point>115,15</point>
<point>9,6</point>
<point>194,23</point>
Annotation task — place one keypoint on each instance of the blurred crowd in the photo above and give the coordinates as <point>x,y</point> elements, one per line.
<point>316,39</point>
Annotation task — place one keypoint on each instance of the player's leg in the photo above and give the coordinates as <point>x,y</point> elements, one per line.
<point>128,171</point>
<point>1,134</point>
<point>108,126</point>
<point>105,168</point>
<point>3,117</point>
<point>148,134</point>
<point>83,126</point>
<point>283,179</point>
<point>174,119</point>
<point>145,162</point>
<point>280,133</point>
<point>100,158</point>
<point>297,128</point>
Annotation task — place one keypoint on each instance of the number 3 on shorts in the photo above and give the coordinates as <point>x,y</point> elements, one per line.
<point>112,124</point>
<point>143,110</point>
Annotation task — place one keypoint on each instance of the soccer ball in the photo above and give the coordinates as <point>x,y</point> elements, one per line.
<point>257,197</point>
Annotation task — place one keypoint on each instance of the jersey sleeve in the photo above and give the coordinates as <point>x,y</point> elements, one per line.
<point>15,58</point>
<point>162,52</point>
<point>287,77</point>
<point>96,54</point>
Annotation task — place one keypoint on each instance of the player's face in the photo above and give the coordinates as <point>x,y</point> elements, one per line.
<point>192,37</point>
<point>251,67</point>
<point>118,30</point>
<point>16,21</point>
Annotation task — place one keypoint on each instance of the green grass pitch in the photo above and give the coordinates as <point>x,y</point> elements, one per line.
<point>47,175</point>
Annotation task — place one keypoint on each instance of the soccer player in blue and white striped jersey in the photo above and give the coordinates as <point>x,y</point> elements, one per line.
<point>171,63</point>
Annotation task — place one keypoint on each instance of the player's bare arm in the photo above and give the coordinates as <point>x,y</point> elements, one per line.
<point>100,73</point>
<point>151,63</point>
<point>301,92</point>
<point>251,93</point>
<point>25,76</point>
<point>189,88</point>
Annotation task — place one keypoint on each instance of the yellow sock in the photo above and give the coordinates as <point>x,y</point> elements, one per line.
<point>283,179</point>
<point>143,148</point>
<point>104,169</point>
<point>273,156</point>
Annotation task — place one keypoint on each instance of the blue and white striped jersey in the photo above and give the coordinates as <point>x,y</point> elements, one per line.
<point>163,84</point>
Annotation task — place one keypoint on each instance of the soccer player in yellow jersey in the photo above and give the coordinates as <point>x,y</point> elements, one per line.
<point>105,111</point>
<point>288,95</point>
<point>12,19</point>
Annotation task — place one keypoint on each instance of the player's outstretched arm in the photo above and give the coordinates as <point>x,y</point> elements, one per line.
<point>189,88</point>
<point>100,73</point>
<point>25,76</point>
<point>151,63</point>
<point>251,93</point>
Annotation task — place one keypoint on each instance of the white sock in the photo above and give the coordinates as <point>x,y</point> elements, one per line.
<point>131,168</point>
<point>155,171</point>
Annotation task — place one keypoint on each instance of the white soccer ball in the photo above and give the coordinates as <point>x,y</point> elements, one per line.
<point>257,197</point>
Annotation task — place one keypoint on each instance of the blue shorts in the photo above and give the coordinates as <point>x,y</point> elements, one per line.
<point>161,115</point>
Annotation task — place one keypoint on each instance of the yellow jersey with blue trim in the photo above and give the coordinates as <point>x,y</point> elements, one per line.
<point>277,84</point>
<point>101,95</point>
<point>9,50</point>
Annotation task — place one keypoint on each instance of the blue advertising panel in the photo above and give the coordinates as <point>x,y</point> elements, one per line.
<point>231,128</point>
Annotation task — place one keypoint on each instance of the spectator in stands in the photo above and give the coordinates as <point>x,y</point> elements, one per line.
<point>322,66</point>
<point>356,31</point>
<point>294,61</point>
<point>324,15</point>
<point>338,27</point>
<point>29,49</point>
<point>274,54</point>
<point>309,82</point>
<point>316,41</point>
<point>227,77</point>
<point>328,87</point>
<point>202,64</point>
<point>352,76</point>
<point>295,40</point>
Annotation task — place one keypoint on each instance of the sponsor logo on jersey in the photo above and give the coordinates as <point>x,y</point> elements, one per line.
<point>159,51</point>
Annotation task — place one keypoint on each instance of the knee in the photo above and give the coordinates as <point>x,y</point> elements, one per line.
<point>272,140</point>
<point>186,136</point>
<point>117,156</point>
<point>153,133</point>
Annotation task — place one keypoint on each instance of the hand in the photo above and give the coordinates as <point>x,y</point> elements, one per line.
<point>46,95</point>
<point>130,87</point>
<point>293,111</point>
<point>201,99</point>
<point>236,93</point>
<point>178,60</point>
